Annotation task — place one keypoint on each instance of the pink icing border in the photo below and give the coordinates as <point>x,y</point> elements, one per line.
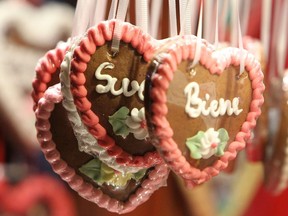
<point>216,62</point>
<point>156,178</point>
<point>45,67</point>
<point>96,37</point>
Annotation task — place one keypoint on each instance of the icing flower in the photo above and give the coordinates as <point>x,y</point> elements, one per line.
<point>137,123</point>
<point>101,173</point>
<point>123,124</point>
<point>206,144</point>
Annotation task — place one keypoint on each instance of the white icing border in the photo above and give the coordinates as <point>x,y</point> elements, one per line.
<point>86,142</point>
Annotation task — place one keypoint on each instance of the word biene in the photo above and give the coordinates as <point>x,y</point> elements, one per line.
<point>196,106</point>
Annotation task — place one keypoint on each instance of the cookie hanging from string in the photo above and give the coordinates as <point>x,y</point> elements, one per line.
<point>256,146</point>
<point>107,90</point>
<point>214,104</point>
<point>276,175</point>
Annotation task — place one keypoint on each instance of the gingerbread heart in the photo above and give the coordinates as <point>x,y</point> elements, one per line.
<point>256,146</point>
<point>199,117</point>
<point>108,90</point>
<point>276,166</point>
<point>47,71</point>
<point>91,178</point>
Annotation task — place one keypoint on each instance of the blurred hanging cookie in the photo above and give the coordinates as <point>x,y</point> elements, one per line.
<point>256,146</point>
<point>276,167</point>
<point>202,108</point>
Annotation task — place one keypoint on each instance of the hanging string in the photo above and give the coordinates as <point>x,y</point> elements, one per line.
<point>182,12</point>
<point>188,18</point>
<point>194,15</point>
<point>265,26</point>
<point>92,12</point>
<point>245,16</point>
<point>81,20</point>
<point>112,11</point>
<point>281,47</point>
<point>172,18</point>
<point>121,14</point>
<point>240,43</point>
<point>156,9</point>
<point>199,38</point>
<point>100,11</point>
<point>142,14</point>
<point>233,24</point>
<point>223,19</point>
<point>208,27</point>
<point>276,21</point>
<point>216,39</point>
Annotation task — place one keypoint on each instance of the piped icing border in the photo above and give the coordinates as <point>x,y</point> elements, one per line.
<point>86,142</point>
<point>158,84</point>
<point>98,36</point>
<point>156,177</point>
<point>45,68</point>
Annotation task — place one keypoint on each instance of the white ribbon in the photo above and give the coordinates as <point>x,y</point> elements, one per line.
<point>81,19</point>
<point>121,14</point>
<point>265,25</point>
<point>156,9</point>
<point>142,14</point>
<point>199,38</point>
<point>172,18</point>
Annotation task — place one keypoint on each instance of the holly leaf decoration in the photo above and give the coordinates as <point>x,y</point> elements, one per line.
<point>92,169</point>
<point>193,144</point>
<point>117,120</point>
<point>224,137</point>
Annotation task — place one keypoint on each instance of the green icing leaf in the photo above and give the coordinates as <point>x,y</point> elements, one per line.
<point>224,137</point>
<point>101,173</point>
<point>194,143</point>
<point>117,120</point>
<point>139,175</point>
<point>92,169</point>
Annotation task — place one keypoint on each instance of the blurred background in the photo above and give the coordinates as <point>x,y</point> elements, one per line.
<point>28,186</point>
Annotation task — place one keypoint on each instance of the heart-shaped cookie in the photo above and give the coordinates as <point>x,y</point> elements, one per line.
<point>47,71</point>
<point>255,149</point>
<point>91,178</point>
<point>200,117</point>
<point>276,166</point>
<point>108,88</point>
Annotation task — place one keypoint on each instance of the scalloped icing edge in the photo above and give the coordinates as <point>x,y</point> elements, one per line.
<point>86,141</point>
<point>98,36</point>
<point>45,68</point>
<point>160,81</point>
<point>156,178</point>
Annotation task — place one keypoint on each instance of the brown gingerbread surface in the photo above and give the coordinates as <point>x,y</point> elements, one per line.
<point>228,85</point>
<point>128,64</point>
<point>67,145</point>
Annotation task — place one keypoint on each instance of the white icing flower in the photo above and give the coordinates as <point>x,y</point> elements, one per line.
<point>137,123</point>
<point>209,143</point>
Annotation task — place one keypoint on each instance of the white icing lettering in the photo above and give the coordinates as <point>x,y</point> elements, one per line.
<point>111,81</point>
<point>196,106</point>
